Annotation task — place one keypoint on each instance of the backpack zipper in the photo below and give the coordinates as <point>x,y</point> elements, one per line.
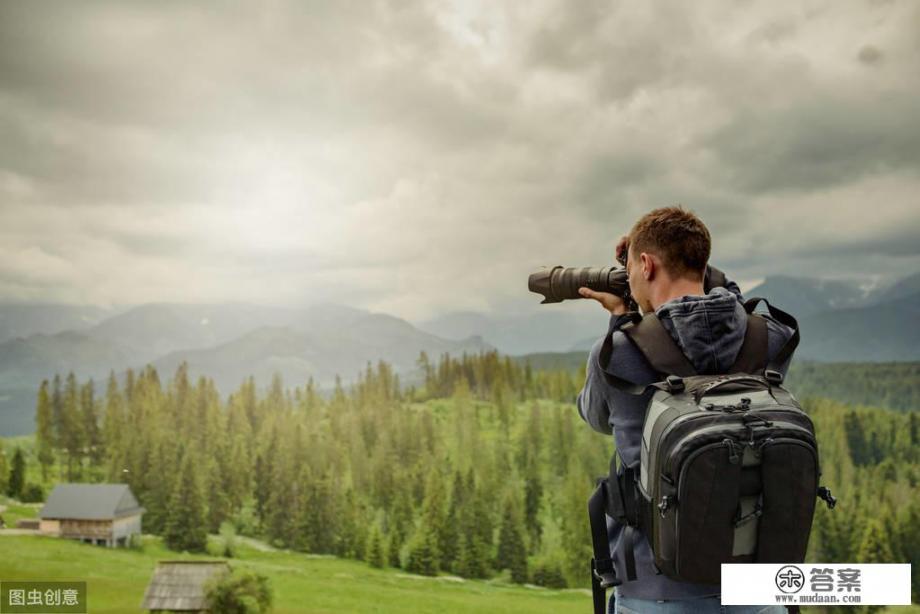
<point>677,449</point>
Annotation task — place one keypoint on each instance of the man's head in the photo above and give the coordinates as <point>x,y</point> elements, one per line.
<point>667,256</point>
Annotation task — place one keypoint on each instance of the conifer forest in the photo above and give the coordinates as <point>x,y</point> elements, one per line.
<point>483,468</point>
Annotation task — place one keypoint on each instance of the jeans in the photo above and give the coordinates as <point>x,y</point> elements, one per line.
<point>703,605</point>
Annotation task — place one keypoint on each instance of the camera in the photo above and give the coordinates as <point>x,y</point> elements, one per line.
<point>560,283</point>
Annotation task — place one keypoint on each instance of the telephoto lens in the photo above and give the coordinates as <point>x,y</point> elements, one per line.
<point>559,283</point>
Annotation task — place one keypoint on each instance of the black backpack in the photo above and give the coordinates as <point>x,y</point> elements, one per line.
<point>728,469</point>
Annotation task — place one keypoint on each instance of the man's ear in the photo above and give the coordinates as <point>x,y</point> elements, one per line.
<point>648,266</point>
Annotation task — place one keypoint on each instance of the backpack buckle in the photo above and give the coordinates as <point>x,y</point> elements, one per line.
<point>675,384</point>
<point>774,377</point>
<point>664,505</point>
<point>825,493</point>
<point>604,573</point>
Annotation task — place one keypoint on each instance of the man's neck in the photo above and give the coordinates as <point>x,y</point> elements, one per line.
<point>676,289</point>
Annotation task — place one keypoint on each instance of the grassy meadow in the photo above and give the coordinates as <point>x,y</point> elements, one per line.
<point>116,579</point>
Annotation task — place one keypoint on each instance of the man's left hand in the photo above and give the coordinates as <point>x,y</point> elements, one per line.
<point>611,302</point>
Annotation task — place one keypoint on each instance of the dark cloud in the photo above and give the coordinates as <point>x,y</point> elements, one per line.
<point>869,54</point>
<point>820,143</point>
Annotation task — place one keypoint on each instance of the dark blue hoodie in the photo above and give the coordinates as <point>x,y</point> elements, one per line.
<point>710,330</point>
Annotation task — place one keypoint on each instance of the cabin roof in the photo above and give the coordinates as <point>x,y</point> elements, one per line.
<point>90,502</point>
<point>179,585</point>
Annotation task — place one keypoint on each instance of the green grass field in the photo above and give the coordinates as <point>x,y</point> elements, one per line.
<point>13,511</point>
<point>116,580</point>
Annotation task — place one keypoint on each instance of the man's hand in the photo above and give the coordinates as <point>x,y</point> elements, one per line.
<point>622,247</point>
<point>611,302</point>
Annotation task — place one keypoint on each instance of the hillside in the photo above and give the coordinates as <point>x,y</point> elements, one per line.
<point>892,385</point>
<point>878,333</point>
<point>806,296</point>
<point>321,354</point>
<point>24,319</point>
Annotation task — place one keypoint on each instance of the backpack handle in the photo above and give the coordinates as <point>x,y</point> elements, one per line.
<point>702,391</point>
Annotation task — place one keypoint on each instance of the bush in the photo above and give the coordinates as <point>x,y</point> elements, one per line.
<point>239,593</point>
<point>548,573</point>
<point>136,542</point>
<point>225,544</point>
<point>32,493</point>
<point>246,520</point>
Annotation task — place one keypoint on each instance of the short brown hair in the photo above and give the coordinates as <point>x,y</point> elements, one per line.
<point>678,237</point>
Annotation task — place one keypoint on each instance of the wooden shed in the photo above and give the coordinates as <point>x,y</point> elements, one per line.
<point>104,514</point>
<point>179,586</point>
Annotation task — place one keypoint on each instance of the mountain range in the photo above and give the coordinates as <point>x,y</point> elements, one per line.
<point>840,321</point>
<point>227,342</point>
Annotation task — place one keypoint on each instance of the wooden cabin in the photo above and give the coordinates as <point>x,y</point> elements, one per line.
<point>103,514</point>
<point>179,586</point>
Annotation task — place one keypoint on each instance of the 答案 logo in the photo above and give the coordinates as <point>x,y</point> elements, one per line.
<point>790,579</point>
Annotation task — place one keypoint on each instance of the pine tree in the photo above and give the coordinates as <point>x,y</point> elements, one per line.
<point>71,424</point>
<point>114,431</point>
<point>4,469</point>
<point>393,547</point>
<point>375,555</point>
<point>533,493</point>
<point>44,430</point>
<point>57,413</point>
<point>423,552</point>
<point>434,518</point>
<point>92,438</point>
<point>318,519</point>
<point>875,546</point>
<point>17,479</point>
<point>512,553</point>
<point>473,559</point>
<point>424,365</point>
<point>186,519</point>
<point>351,537</point>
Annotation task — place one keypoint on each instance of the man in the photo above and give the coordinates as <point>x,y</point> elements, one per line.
<point>667,254</point>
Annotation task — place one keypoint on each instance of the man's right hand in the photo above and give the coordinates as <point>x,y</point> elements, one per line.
<point>619,254</point>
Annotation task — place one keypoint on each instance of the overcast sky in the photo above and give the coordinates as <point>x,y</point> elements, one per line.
<point>421,157</point>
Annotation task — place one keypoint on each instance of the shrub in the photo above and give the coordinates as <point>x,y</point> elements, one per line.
<point>246,519</point>
<point>225,544</point>
<point>136,542</point>
<point>32,493</point>
<point>239,593</point>
<point>548,573</point>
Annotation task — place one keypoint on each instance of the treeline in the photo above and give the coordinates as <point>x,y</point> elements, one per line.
<point>895,385</point>
<point>484,468</point>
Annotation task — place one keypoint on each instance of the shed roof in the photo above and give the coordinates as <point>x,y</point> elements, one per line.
<point>179,585</point>
<point>90,502</point>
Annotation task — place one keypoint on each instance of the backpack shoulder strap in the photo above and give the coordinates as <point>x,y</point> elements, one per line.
<point>784,318</point>
<point>658,346</point>
<point>753,356</point>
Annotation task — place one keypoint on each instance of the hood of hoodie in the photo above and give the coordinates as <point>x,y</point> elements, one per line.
<point>709,329</point>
